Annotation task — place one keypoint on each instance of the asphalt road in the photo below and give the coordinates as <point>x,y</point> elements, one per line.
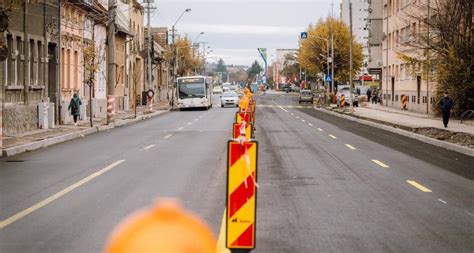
<point>316,193</point>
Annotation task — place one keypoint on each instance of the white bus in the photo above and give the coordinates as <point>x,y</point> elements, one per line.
<point>194,92</point>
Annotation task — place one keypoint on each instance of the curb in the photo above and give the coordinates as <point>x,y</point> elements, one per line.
<point>71,136</point>
<point>396,130</point>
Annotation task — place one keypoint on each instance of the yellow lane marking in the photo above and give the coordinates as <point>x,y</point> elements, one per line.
<point>418,186</point>
<point>350,146</point>
<point>57,195</point>
<point>319,129</point>
<point>169,135</point>
<point>310,124</point>
<point>381,164</point>
<point>148,147</point>
<point>332,136</point>
<point>220,247</point>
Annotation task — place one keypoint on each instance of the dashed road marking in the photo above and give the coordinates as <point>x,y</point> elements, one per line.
<point>168,136</point>
<point>309,124</point>
<point>468,213</point>
<point>281,107</point>
<point>418,186</point>
<point>57,195</point>
<point>381,164</point>
<point>320,130</point>
<point>148,147</point>
<point>190,123</point>
<point>297,117</point>
<point>303,120</point>
<point>181,128</point>
<point>332,136</point>
<point>350,146</point>
<point>292,114</point>
<point>442,201</point>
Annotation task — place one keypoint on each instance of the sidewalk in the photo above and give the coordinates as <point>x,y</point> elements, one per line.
<point>410,119</point>
<point>40,138</point>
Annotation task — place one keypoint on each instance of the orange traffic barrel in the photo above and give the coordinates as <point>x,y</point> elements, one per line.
<point>163,228</point>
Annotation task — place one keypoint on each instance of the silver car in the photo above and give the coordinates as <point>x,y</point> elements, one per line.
<point>230,98</point>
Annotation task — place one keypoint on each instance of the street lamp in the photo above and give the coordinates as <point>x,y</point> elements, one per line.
<point>197,37</point>
<point>175,65</point>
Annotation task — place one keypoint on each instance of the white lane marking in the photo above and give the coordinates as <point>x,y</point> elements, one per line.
<point>179,129</point>
<point>350,146</point>
<point>320,130</point>
<point>442,201</point>
<point>201,116</point>
<point>297,117</point>
<point>332,136</point>
<point>292,114</point>
<point>168,136</point>
<point>381,164</point>
<point>190,123</point>
<point>281,107</point>
<point>57,195</point>
<point>468,213</point>
<point>148,147</point>
<point>195,119</point>
<point>303,120</point>
<point>310,124</point>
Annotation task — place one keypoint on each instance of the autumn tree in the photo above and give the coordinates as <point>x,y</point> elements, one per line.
<point>222,69</point>
<point>291,66</point>
<point>442,49</point>
<point>187,60</point>
<point>313,51</point>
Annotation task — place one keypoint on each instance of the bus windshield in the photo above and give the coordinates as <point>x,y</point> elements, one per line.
<point>191,88</point>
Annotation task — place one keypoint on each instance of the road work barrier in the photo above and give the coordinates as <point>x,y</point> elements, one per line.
<point>242,151</point>
<point>241,195</point>
<point>343,101</point>
<point>404,102</point>
<point>164,227</point>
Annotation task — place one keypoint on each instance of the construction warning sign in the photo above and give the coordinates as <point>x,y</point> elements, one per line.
<point>243,116</point>
<point>241,194</point>
<point>238,131</point>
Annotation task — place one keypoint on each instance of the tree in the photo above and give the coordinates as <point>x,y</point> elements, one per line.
<point>444,53</point>
<point>222,70</point>
<point>291,67</point>
<point>254,70</point>
<point>313,51</point>
<point>187,60</point>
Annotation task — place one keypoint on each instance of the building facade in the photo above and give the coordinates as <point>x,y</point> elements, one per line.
<point>401,78</point>
<point>30,71</point>
<point>374,42</point>
<point>135,53</point>
<point>360,13</point>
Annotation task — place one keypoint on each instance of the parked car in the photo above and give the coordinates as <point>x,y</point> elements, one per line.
<point>217,90</point>
<point>230,98</point>
<point>346,92</point>
<point>305,96</point>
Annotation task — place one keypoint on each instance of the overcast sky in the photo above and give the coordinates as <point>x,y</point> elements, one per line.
<point>235,29</point>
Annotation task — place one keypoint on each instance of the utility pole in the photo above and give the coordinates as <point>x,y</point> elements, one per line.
<point>204,57</point>
<point>111,62</point>
<point>386,57</point>
<point>428,69</point>
<point>149,9</point>
<point>351,106</point>
<point>332,62</point>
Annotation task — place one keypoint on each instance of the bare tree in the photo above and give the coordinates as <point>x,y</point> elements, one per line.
<point>442,47</point>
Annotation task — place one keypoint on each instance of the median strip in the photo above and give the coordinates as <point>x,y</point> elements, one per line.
<point>418,186</point>
<point>57,195</point>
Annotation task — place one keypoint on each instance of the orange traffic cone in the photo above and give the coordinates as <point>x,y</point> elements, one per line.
<point>163,228</point>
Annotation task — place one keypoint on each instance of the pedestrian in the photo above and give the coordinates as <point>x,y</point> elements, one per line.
<point>369,95</point>
<point>375,96</point>
<point>446,104</point>
<point>75,107</point>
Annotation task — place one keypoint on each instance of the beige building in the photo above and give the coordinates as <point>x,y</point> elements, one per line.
<point>400,78</point>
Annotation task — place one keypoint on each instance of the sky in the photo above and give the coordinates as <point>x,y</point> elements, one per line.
<point>236,28</point>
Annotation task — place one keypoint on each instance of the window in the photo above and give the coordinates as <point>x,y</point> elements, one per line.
<point>413,99</point>
<point>424,99</point>
<point>396,98</point>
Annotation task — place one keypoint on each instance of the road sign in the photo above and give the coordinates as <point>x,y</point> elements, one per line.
<point>304,35</point>
<point>241,195</point>
<point>327,78</point>
<point>248,131</point>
